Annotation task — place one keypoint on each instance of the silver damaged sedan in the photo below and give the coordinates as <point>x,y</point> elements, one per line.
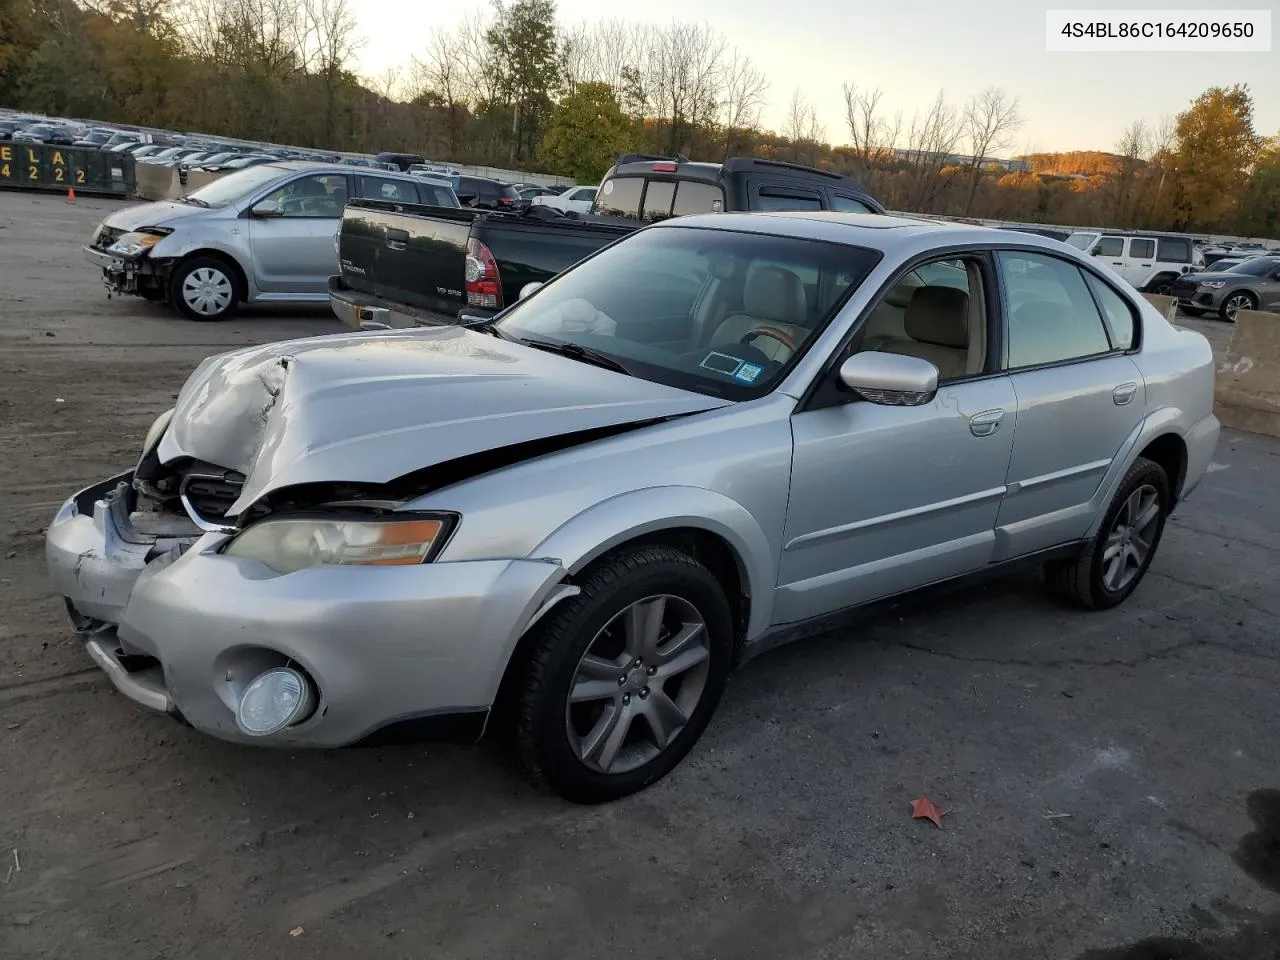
<point>717,434</point>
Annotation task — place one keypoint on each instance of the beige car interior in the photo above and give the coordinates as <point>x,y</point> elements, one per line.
<point>773,301</point>
<point>939,323</point>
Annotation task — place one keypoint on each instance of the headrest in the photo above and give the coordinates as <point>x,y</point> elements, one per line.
<point>940,316</point>
<point>772,293</point>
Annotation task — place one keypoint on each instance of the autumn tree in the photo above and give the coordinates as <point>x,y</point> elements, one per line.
<point>526,58</point>
<point>586,132</point>
<point>1216,147</point>
<point>991,118</point>
<point>1260,209</point>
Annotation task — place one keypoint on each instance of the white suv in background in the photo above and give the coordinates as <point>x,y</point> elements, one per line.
<point>1148,261</point>
<point>575,199</point>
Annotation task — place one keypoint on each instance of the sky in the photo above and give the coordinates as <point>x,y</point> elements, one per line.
<point>911,49</point>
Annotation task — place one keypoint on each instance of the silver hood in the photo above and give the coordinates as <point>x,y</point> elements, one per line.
<point>157,214</point>
<point>371,407</point>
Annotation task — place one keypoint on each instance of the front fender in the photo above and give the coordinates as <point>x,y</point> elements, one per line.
<point>599,529</point>
<point>182,243</point>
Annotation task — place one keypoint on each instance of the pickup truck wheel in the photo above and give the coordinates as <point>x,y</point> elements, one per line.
<point>203,288</point>
<point>624,677</point>
<point>1117,558</point>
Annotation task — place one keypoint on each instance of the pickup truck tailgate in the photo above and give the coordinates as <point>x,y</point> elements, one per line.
<point>407,253</point>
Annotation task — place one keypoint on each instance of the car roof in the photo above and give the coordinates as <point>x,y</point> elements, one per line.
<point>320,166</point>
<point>890,233</point>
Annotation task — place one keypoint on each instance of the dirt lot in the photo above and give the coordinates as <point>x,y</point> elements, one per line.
<point>1110,778</point>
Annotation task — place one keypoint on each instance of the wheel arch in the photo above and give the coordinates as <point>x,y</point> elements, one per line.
<point>1161,434</point>
<point>239,277</point>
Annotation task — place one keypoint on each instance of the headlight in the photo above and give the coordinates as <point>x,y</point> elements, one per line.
<point>157,430</point>
<point>1213,284</point>
<point>289,545</point>
<point>138,242</point>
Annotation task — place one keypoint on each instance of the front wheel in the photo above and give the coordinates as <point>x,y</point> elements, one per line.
<point>1116,560</point>
<point>1234,304</point>
<point>624,677</point>
<point>203,288</point>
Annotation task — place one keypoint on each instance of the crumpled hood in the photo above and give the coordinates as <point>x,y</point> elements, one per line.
<point>371,407</point>
<point>152,214</point>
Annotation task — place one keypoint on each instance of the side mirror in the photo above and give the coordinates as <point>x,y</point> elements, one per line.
<point>265,209</point>
<point>890,379</point>
<point>529,289</point>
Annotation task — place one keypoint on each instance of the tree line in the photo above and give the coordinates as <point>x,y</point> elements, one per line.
<point>512,86</point>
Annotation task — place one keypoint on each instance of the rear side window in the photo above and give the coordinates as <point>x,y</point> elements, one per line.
<point>848,204</point>
<point>1174,250</point>
<point>620,197</point>
<point>1050,315</point>
<point>1116,312</point>
<point>693,198</point>
<point>437,196</point>
<point>657,201</point>
<point>1110,247</point>
<point>1142,249</point>
<point>381,188</point>
<point>775,199</point>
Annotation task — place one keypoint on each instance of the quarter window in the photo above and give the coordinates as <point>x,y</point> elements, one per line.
<point>1110,247</point>
<point>1116,312</point>
<point>1050,315</point>
<point>848,204</point>
<point>1142,249</point>
<point>1175,250</point>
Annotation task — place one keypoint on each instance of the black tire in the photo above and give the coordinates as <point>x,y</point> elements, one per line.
<point>193,267</point>
<point>1161,284</point>
<point>1082,580</point>
<point>1250,303</point>
<point>1192,311</point>
<point>560,642</point>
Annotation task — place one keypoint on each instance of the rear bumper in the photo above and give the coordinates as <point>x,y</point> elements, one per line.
<point>362,311</point>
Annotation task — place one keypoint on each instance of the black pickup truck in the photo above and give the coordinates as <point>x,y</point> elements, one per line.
<point>404,264</point>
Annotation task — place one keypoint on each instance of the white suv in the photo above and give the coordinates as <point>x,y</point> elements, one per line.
<point>1150,262</point>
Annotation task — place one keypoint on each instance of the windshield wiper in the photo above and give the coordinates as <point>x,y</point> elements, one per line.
<point>576,351</point>
<point>196,200</point>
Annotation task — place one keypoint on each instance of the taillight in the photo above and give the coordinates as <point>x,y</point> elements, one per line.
<point>506,201</point>
<point>483,283</point>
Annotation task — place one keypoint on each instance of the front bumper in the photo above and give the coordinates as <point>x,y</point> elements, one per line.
<point>360,311</point>
<point>127,276</point>
<point>182,628</point>
<point>1193,296</point>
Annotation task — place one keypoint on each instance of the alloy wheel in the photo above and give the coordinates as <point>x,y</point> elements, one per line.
<point>637,684</point>
<point>207,291</point>
<point>1235,304</point>
<point>1131,538</point>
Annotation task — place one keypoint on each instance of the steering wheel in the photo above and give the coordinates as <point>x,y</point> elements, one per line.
<point>773,333</point>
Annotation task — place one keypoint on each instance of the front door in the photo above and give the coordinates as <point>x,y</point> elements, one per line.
<point>889,498</point>
<point>293,251</point>
<point>1080,397</point>
<point>1139,261</point>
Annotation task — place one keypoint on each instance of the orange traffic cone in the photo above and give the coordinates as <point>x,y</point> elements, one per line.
<point>71,194</point>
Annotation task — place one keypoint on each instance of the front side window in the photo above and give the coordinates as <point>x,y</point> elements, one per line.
<point>711,311</point>
<point>320,195</point>
<point>1049,313</point>
<point>620,197</point>
<point>1110,247</point>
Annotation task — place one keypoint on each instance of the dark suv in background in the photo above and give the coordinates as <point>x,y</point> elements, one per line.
<point>485,194</point>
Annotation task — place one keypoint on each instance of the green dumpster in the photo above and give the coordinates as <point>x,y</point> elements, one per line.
<point>42,166</point>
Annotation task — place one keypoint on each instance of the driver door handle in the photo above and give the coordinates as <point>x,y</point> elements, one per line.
<point>986,423</point>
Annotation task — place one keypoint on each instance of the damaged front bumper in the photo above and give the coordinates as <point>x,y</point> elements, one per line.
<point>123,276</point>
<point>180,627</point>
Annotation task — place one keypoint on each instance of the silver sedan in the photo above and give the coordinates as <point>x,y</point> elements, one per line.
<point>714,436</point>
<point>265,234</point>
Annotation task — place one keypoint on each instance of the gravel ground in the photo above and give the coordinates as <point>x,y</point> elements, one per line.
<point>1109,778</point>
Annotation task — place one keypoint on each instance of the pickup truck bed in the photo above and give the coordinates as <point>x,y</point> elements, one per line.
<point>412,258</point>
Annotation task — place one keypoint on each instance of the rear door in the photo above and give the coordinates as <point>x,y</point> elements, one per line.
<point>293,253</point>
<point>1080,396</point>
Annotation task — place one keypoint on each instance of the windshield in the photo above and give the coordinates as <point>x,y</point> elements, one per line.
<point>236,186</point>
<point>1082,241</point>
<point>712,311</point>
<point>1255,268</point>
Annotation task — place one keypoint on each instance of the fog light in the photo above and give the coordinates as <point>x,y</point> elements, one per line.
<point>274,700</point>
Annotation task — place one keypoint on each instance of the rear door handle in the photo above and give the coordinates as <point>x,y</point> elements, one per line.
<point>397,239</point>
<point>986,423</point>
<point>1123,395</point>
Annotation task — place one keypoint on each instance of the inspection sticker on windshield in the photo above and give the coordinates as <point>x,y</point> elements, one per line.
<point>722,363</point>
<point>748,372</point>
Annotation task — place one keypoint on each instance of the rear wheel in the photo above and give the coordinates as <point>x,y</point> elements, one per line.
<point>204,288</point>
<point>624,677</point>
<point>1118,557</point>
